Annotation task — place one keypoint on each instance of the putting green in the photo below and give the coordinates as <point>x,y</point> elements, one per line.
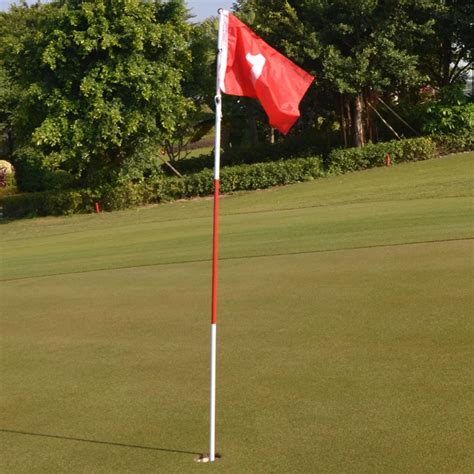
<point>344,340</point>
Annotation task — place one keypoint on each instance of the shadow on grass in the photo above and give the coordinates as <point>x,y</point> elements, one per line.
<point>107,443</point>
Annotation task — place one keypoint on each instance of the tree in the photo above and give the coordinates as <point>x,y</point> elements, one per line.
<point>101,80</point>
<point>357,50</point>
<point>8,99</point>
<point>447,54</point>
<point>199,83</point>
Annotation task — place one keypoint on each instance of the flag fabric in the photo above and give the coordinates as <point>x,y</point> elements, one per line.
<point>250,67</point>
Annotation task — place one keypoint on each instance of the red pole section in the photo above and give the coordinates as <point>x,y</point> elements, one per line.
<point>215,244</point>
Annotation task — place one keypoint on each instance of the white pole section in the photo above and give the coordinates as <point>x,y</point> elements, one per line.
<point>217,155</point>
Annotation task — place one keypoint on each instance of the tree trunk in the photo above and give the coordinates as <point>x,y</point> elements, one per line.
<point>370,97</point>
<point>272,135</point>
<point>225,136</point>
<point>358,126</point>
<point>10,144</point>
<point>252,122</point>
<point>447,53</point>
<point>342,120</point>
<point>348,118</point>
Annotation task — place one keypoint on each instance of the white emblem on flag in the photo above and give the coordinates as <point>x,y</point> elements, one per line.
<point>258,62</point>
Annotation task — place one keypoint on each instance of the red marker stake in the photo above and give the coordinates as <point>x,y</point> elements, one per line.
<point>97,208</point>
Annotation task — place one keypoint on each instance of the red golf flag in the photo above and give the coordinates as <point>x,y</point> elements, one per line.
<point>252,68</point>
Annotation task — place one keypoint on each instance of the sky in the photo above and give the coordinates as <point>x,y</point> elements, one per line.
<point>200,8</point>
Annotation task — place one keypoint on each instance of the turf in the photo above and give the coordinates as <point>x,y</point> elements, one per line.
<point>345,336</point>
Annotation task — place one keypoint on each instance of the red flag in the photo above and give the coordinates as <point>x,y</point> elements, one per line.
<point>252,68</point>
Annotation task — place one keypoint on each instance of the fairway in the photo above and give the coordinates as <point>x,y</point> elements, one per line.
<point>345,340</point>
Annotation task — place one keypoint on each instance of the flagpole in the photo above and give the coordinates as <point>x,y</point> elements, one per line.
<point>217,156</point>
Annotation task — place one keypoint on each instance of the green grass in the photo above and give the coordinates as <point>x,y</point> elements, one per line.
<point>202,151</point>
<point>345,336</point>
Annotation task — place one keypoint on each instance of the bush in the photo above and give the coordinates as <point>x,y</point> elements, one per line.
<point>265,175</point>
<point>453,143</point>
<point>352,159</point>
<point>7,178</point>
<point>298,146</point>
<point>58,180</point>
<point>449,119</point>
<point>446,111</point>
<point>160,189</point>
<point>125,193</point>
<point>121,195</point>
<point>33,176</point>
<point>42,204</point>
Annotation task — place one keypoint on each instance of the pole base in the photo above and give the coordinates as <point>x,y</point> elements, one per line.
<point>206,458</point>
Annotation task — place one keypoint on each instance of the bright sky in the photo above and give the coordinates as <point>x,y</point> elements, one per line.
<point>200,8</point>
<point>205,8</point>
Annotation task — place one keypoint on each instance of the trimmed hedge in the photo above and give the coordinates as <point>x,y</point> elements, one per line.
<point>298,146</point>
<point>244,177</point>
<point>453,143</point>
<point>343,160</point>
<point>160,189</point>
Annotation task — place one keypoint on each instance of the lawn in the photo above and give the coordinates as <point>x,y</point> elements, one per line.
<point>344,343</point>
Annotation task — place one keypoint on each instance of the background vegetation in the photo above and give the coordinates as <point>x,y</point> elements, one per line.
<point>95,95</point>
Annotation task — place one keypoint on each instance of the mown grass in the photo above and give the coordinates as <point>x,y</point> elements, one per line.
<point>345,337</point>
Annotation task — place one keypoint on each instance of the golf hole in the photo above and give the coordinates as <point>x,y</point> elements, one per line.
<point>205,458</point>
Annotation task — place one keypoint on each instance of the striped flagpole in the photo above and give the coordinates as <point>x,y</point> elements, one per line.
<point>215,240</point>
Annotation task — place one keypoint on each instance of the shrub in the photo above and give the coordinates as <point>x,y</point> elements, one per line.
<point>7,178</point>
<point>453,143</point>
<point>297,146</point>
<point>352,159</point>
<point>123,195</point>
<point>449,119</point>
<point>23,205</point>
<point>58,180</point>
<point>447,111</point>
<point>42,204</point>
<point>265,175</point>
<point>166,189</point>
<point>245,177</point>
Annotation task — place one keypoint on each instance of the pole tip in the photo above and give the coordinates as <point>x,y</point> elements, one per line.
<point>219,11</point>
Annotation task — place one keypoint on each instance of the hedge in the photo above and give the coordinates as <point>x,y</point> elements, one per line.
<point>446,144</point>
<point>243,177</point>
<point>372,155</point>
<point>160,189</point>
<point>298,146</point>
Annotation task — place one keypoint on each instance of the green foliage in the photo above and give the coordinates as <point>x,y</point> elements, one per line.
<point>256,176</point>
<point>447,111</point>
<point>353,159</point>
<point>453,143</point>
<point>199,83</point>
<point>265,175</point>
<point>33,174</point>
<point>449,119</point>
<point>101,80</point>
<point>356,50</point>
<point>42,204</point>
<point>246,177</point>
<point>446,55</point>
<point>160,189</point>
<point>8,99</point>
<point>295,146</point>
